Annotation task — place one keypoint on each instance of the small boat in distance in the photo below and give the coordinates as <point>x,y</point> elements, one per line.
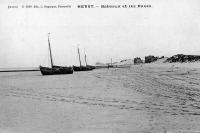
<point>54,69</point>
<point>82,68</point>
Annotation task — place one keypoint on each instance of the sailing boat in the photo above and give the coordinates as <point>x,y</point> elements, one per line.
<point>54,69</point>
<point>81,68</point>
<point>110,65</point>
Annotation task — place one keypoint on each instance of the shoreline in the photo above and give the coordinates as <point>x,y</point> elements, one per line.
<point>18,70</point>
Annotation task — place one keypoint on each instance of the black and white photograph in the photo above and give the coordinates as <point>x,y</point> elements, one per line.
<point>99,66</point>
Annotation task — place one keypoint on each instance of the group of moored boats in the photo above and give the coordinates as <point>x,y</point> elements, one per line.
<point>63,69</point>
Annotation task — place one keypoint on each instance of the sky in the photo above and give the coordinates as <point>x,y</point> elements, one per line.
<point>169,27</point>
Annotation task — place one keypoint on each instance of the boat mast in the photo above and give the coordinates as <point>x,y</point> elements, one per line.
<point>85,60</point>
<point>50,51</point>
<point>79,57</point>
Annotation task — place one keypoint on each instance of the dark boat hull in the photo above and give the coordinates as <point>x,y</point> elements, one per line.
<point>91,67</point>
<point>56,70</point>
<point>82,68</point>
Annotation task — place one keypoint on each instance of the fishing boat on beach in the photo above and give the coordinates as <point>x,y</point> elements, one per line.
<point>83,68</point>
<point>54,69</point>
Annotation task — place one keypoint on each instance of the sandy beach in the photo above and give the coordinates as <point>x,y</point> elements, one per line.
<point>149,98</point>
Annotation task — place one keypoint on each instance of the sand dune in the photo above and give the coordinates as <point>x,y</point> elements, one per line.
<point>157,97</point>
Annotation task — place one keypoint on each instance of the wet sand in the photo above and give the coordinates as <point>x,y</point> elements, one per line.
<point>152,98</point>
